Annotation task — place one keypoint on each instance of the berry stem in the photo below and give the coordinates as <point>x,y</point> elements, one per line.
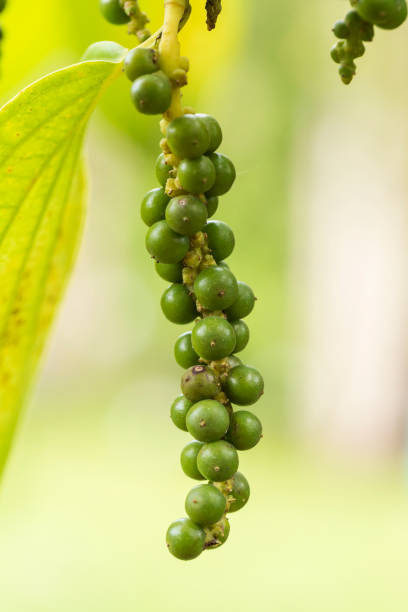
<point>169,50</point>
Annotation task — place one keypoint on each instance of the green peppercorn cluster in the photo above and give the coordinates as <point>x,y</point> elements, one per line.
<point>358,27</point>
<point>189,249</point>
<point>3,4</point>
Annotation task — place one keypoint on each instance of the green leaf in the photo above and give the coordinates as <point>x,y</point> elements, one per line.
<point>41,211</point>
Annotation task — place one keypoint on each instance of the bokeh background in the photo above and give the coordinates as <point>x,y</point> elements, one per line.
<point>320,216</point>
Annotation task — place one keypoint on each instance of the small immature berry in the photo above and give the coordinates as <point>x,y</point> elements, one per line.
<point>184,353</point>
<point>212,206</point>
<point>341,30</point>
<point>244,303</point>
<point>221,239</point>
<point>238,493</point>
<point>162,170</point>
<point>185,540</point>
<point>387,14</point>
<point>218,461</point>
<point>165,245</point>
<point>186,215</point>
<point>113,12</point>
<point>178,411</point>
<point>207,421</point>
<point>188,136</point>
<point>141,61</point>
<point>244,385</point>
<point>225,174</point>
<point>151,93</point>
<point>196,175</point>
<point>154,205</point>
<point>205,504</point>
<point>347,72</point>
<point>177,304</point>
<point>245,430</point>
<point>213,338</point>
<point>216,288</point>
<point>217,535</point>
<point>172,273</point>
<point>241,330</point>
<point>214,131</point>
<point>200,382</point>
<point>188,460</point>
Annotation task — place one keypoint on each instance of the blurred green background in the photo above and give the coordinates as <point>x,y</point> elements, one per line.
<point>319,213</point>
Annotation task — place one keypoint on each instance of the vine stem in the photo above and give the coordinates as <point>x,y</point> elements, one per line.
<point>169,50</point>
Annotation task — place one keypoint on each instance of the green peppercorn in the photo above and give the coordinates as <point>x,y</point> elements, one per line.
<point>241,330</point>
<point>188,460</point>
<point>196,175</point>
<point>172,273</point>
<point>200,382</point>
<point>387,14</point>
<point>244,303</point>
<point>244,385</point>
<point>113,12</point>
<point>214,131</point>
<point>188,136</point>
<point>341,30</point>
<point>347,72</point>
<point>165,245</point>
<point>221,239</point>
<point>185,540</point>
<point>212,206</point>
<point>217,535</point>
<point>178,411</point>
<point>141,61</point>
<point>216,288</point>
<point>154,205</point>
<point>245,430</point>
<point>238,492</point>
<point>178,305</point>
<point>217,461</point>
<point>205,504</point>
<point>163,170</point>
<point>151,93</point>
<point>208,421</point>
<point>224,174</point>
<point>186,215</point>
<point>213,338</point>
<point>184,353</point>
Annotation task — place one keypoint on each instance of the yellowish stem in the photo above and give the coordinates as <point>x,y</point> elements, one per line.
<point>169,50</point>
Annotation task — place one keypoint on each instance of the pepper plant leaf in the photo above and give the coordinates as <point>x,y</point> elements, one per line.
<point>41,211</point>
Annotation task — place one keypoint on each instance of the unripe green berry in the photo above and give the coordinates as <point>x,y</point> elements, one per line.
<point>216,288</point>
<point>177,305</point>
<point>178,411</point>
<point>208,421</point>
<point>244,303</point>
<point>221,239</point>
<point>188,136</point>
<point>200,382</point>
<point>244,385</point>
<point>186,215</point>
<point>141,61</point>
<point>172,273</point>
<point>225,174</point>
<point>214,131</point>
<point>245,430</point>
<point>212,206</point>
<point>387,14</point>
<point>154,205</point>
<point>213,338</point>
<point>165,245</point>
<point>354,48</point>
<point>205,504</point>
<point>151,93</point>
<point>184,353</point>
<point>337,52</point>
<point>241,330</point>
<point>238,492</point>
<point>113,12</point>
<point>188,460</point>
<point>347,72</point>
<point>218,461</point>
<point>341,30</point>
<point>162,170</point>
<point>185,540</point>
<point>217,535</point>
<point>196,175</point>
